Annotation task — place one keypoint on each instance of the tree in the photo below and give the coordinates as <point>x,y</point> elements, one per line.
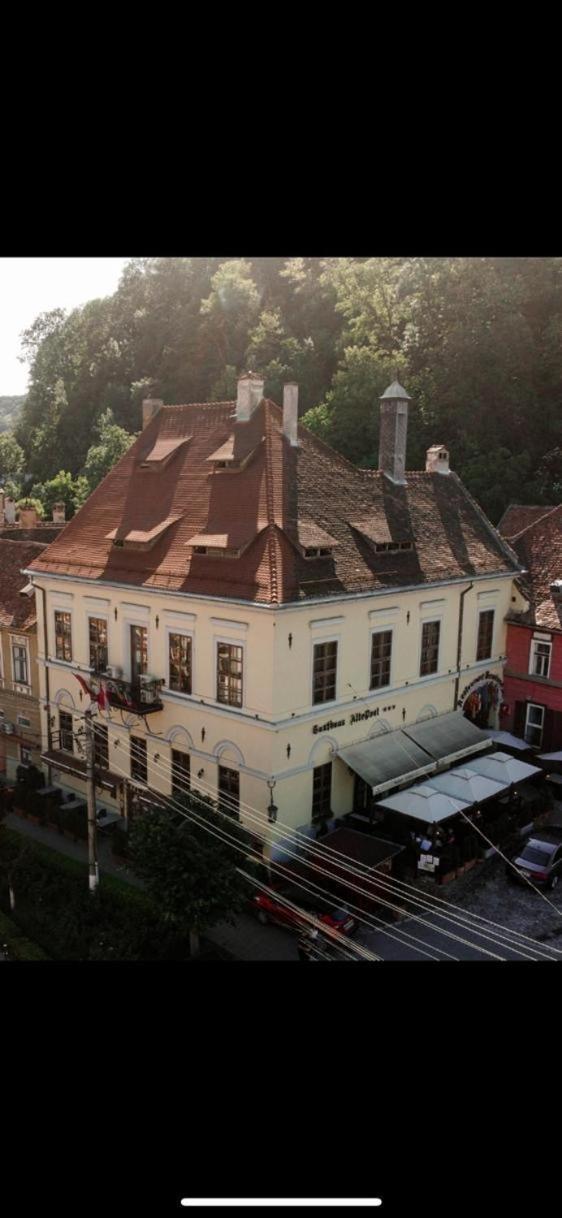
<point>63,488</point>
<point>190,874</point>
<point>112,442</point>
<point>12,457</point>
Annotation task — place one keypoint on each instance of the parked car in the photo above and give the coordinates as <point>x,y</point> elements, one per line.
<point>269,909</point>
<point>539,860</point>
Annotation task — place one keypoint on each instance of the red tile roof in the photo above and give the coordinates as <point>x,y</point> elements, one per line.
<point>539,547</point>
<point>17,612</point>
<point>519,516</point>
<point>280,491</point>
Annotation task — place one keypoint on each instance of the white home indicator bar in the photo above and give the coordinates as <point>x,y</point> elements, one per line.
<point>230,1202</point>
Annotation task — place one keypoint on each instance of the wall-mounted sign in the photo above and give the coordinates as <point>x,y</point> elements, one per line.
<point>355,718</point>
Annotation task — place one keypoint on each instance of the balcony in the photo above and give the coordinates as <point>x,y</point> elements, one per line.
<point>140,697</point>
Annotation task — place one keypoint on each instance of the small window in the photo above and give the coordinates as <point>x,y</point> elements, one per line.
<point>101,746</point>
<point>321,790</point>
<point>63,636</point>
<point>181,772</point>
<point>139,767</point>
<point>229,791</point>
<point>98,643</point>
<point>25,755</point>
<point>20,664</point>
<point>485,634</point>
<point>324,675</point>
<point>66,735</point>
<point>430,648</point>
<point>540,658</point>
<point>200,549</point>
<point>229,674</point>
<point>534,723</point>
<point>381,649</point>
<point>179,654</point>
<point>24,721</point>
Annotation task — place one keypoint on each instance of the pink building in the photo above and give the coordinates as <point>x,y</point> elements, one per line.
<point>532,705</point>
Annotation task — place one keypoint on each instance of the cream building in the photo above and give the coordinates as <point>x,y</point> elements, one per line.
<point>268,622</point>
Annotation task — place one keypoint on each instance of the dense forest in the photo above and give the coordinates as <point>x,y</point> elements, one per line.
<point>476,341</point>
<point>9,411</point>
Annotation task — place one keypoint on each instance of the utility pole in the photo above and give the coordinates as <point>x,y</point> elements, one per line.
<point>93,870</point>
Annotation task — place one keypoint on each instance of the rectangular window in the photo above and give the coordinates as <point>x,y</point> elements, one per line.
<point>66,737</point>
<point>139,769</point>
<point>20,664</point>
<point>325,665</point>
<point>98,643</point>
<point>229,790</point>
<point>63,636</point>
<point>139,652</point>
<point>534,724</point>
<point>181,772</point>
<point>540,658</point>
<point>381,649</point>
<point>101,746</point>
<point>180,663</point>
<point>25,755</point>
<point>229,674</point>
<point>321,790</point>
<point>430,648</point>
<point>24,721</point>
<point>485,634</point>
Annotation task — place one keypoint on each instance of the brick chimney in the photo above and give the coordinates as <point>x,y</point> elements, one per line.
<point>291,413</point>
<point>393,432</point>
<point>59,512</point>
<point>437,460</point>
<point>249,395</point>
<point>150,407</point>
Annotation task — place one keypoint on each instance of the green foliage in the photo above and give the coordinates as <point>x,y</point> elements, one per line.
<point>30,502</point>
<point>476,341</point>
<point>63,488</point>
<point>19,948</point>
<point>12,457</point>
<point>112,442</point>
<point>190,874</point>
<point>10,408</point>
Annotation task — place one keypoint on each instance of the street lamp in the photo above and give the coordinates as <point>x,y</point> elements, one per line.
<point>272,809</point>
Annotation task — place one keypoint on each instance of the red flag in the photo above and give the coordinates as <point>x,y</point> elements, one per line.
<point>84,684</point>
<point>101,699</point>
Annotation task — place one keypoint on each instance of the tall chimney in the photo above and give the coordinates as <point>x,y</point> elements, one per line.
<point>150,407</point>
<point>393,432</point>
<point>291,412</point>
<point>249,396</point>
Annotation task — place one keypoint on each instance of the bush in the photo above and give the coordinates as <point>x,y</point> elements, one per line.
<point>120,842</point>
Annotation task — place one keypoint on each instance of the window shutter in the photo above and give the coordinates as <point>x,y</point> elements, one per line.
<point>552,734</point>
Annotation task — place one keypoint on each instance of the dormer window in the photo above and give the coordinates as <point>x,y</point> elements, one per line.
<point>318,552</point>
<point>383,547</point>
<point>217,551</point>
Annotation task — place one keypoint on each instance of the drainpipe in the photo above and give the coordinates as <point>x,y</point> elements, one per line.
<point>459,644</point>
<point>47,682</point>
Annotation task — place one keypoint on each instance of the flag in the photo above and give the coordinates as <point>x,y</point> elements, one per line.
<point>102,699</point>
<point>84,684</point>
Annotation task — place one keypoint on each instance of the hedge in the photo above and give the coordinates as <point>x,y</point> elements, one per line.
<point>55,909</point>
<point>19,947</point>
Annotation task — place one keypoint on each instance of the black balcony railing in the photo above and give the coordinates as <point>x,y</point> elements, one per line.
<point>141,697</point>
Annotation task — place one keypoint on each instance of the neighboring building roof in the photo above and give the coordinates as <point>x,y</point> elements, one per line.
<point>539,547</point>
<point>17,612</point>
<point>519,516</point>
<point>274,499</point>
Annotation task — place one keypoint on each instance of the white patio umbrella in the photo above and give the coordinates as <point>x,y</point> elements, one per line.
<point>503,768</point>
<point>463,783</point>
<point>424,803</point>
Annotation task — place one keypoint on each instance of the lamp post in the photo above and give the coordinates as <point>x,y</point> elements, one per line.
<point>272,808</point>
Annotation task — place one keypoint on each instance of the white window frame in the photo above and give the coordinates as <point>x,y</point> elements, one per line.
<point>19,641</point>
<point>23,721</point>
<point>427,620</point>
<point>317,642</point>
<point>481,610</point>
<point>535,644</point>
<point>381,630</point>
<point>189,634</point>
<point>230,642</point>
<point>534,726</point>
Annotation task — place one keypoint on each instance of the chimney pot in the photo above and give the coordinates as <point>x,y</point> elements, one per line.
<point>59,513</point>
<point>249,395</point>
<point>437,459</point>
<point>291,412</point>
<point>393,433</point>
<point>150,407</point>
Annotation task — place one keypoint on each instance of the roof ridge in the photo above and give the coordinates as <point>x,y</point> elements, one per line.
<point>503,544</point>
<point>534,523</point>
